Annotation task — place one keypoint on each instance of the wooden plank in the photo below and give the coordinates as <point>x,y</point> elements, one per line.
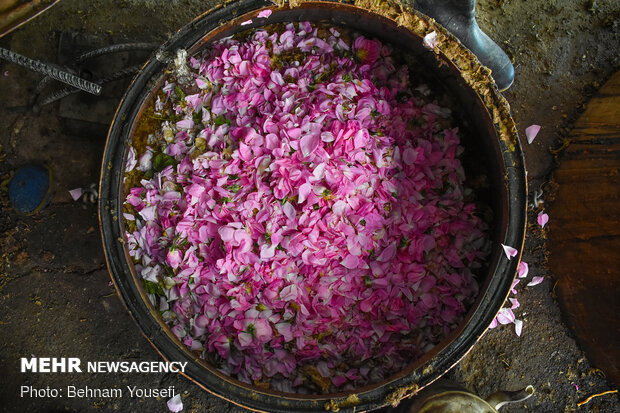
<point>584,240</point>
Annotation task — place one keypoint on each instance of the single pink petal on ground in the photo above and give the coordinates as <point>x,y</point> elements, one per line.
<point>523,269</point>
<point>535,281</point>
<point>76,193</point>
<point>493,323</point>
<point>430,40</point>
<point>509,251</point>
<point>505,316</point>
<point>542,219</point>
<point>264,14</point>
<point>246,22</point>
<point>515,303</point>
<point>531,133</point>
<point>175,404</point>
<point>518,327</point>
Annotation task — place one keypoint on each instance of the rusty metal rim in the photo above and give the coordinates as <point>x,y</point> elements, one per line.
<point>22,14</point>
<point>512,207</point>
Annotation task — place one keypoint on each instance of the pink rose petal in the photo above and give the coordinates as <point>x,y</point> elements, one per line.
<point>264,14</point>
<point>262,331</point>
<point>339,380</point>
<point>76,193</point>
<point>430,40</point>
<point>246,22</point>
<point>409,156</point>
<point>535,281</point>
<point>350,261</point>
<point>304,191</point>
<point>175,404</point>
<point>523,269</point>
<point>226,233</point>
<point>531,133</point>
<point>542,219</point>
<point>309,143</point>
<point>509,251</point>
<point>148,213</point>
<point>289,210</point>
<point>518,327</point>
<point>185,124</point>
<point>505,316</point>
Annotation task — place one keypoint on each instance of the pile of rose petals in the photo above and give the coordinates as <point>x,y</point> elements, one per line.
<point>300,219</point>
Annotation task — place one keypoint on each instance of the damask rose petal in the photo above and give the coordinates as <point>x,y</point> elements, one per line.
<point>509,251</point>
<point>430,40</point>
<point>542,219</point>
<point>76,193</point>
<point>523,269</point>
<point>518,327</point>
<point>304,191</point>
<point>309,143</point>
<point>535,281</point>
<point>505,316</point>
<point>175,404</point>
<point>531,132</point>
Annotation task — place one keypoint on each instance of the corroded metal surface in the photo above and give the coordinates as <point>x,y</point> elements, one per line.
<point>14,13</point>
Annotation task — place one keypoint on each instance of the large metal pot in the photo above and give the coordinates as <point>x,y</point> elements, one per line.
<point>494,144</point>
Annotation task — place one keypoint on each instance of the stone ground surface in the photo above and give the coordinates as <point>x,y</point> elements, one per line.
<point>55,296</point>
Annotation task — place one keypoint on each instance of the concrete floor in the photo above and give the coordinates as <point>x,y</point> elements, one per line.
<point>55,295</point>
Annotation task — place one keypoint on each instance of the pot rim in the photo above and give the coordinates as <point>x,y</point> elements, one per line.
<point>420,373</point>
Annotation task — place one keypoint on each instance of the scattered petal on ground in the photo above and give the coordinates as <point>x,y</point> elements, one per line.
<point>518,327</point>
<point>542,219</point>
<point>531,133</point>
<point>535,281</point>
<point>76,193</point>
<point>175,404</point>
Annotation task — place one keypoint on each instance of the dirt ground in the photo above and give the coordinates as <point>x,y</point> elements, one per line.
<point>55,295</point>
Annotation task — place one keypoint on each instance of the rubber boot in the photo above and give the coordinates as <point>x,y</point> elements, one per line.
<point>459,17</point>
